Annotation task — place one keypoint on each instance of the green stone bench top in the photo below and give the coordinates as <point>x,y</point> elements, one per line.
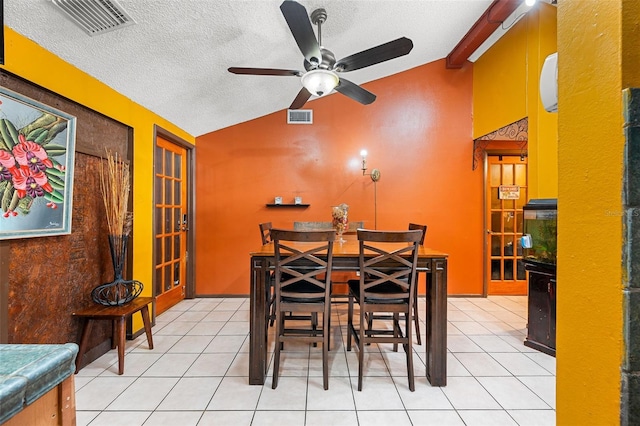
<point>28,371</point>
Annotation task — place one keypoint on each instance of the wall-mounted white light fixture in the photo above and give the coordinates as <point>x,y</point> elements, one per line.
<point>530,2</point>
<point>375,173</point>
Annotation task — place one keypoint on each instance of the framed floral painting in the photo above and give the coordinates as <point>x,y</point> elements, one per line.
<point>37,146</point>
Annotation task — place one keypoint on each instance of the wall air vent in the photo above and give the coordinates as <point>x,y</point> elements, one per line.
<point>95,16</point>
<point>300,116</point>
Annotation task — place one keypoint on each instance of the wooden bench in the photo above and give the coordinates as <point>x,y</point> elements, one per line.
<point>118,316</point>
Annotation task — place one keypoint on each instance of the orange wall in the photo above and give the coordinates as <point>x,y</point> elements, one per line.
<point>417,132</point>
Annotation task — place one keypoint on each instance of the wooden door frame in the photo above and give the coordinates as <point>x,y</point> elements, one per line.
<point>190,287</point>
<point>485,242</point>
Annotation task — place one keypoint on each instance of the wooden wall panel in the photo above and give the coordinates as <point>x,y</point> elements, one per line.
<point>48,278</point>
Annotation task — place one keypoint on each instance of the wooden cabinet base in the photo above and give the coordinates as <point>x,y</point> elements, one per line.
<point>56,407</point>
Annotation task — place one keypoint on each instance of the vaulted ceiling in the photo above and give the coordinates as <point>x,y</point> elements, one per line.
<point>174,59</point>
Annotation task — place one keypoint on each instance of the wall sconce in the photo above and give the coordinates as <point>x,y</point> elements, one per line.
<point>375,173</point>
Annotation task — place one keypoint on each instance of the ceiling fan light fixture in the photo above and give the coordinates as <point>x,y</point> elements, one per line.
<point>320,82</point>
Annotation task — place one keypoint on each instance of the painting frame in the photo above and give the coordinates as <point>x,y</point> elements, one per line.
<point>37,154</point>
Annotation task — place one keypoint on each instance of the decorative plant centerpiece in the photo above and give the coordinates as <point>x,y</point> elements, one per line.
<point>340,219</point>
<point>114,182</point>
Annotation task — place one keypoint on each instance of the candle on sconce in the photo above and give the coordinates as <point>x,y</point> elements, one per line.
<point>363,153</point>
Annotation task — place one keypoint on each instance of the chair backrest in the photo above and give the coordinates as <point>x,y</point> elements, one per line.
<point>388,260</point>
<point>265,232</point>
<point>413,226</point>
<point>303,271</point>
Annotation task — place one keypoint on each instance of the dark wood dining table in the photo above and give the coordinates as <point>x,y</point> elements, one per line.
<point>346,258</point>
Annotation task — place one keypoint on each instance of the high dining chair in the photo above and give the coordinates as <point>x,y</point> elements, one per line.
<point>303,285</point>
<point>265,234</point>
<point>416,318</point>
<point>386,285</point>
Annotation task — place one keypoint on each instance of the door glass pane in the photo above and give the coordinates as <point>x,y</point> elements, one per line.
<point>158,220</point>
<point>177,221</point>
<point>508,245</point>
<point>507,174</point>
<point>509,219</point>
<point>158,251</point>
<point>168,163</point>
<point>177,193</point>
<point>519,222</point>
<point>157,191</point>
<point>167,249</point>
<point>176,246</point>
<point>168,190</point>
<point>167,220</point>
<point>508,269</point>
<point>176,273</point>
<point>158,160</point>
<point>495,269</point>
<point>520,202</point>
<point>167,278</point>
<point>494,175</point>
<point>521,271</point>
<point>495,201</point>
<point>496,220</point>
<point>496,243</point>
<point>158,280</point>
<point>178,166</point>
<point>521,174</point>
<point>509,204</point>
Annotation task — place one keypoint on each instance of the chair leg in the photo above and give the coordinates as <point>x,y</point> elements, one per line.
<point>349,322</point>
<point>416,319</point>
<point>396,328</point>
<point>409,352</point>
<point>361,333</point>
<point>278,347</point>
<point>326,331</point>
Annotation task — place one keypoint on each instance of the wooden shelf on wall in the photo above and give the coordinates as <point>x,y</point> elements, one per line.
<point>300,206</point>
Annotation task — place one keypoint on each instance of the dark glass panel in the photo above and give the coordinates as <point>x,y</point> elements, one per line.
<point>158,280</point>
<point>495,269</point>
<point>157,160</point>
<point>168,191</point>
<point>158,220</point>
<point>521,271</point>
<point>178,167</point>
<point>167,278</point>
<point>496,221</point>
<point>176,274</point>
<point>177,193</point>
<point>167,249</point>
<point>176,247</point>
<point>508,269</point>
<point>496,243</point>
<point>168,217</point>
<point>157,191</point>
<point>509,219</point>
<point>495,201</point>
<point>168,163</point>
<point>159,251</point>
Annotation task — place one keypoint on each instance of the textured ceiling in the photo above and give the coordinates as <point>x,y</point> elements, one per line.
<point>174,60</point>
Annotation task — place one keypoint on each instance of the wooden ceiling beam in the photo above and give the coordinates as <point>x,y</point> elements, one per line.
<point>490,20</point>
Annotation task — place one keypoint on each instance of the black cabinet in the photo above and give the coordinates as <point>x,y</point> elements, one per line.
<point>541,334</point>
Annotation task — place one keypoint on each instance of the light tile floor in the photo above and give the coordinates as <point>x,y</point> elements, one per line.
<point>197,374</point>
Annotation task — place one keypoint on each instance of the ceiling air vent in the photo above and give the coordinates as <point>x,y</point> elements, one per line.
<point>95,16</point>
<point>300,116</point>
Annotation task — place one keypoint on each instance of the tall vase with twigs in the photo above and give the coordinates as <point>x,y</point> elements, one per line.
<point>114,182</point>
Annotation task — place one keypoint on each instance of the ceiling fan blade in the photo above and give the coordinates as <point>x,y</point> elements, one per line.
<point>375,55</point>
<point>301,99</point>
<point>298,20</point>
<point>264,71</point>
<point>355,92</point>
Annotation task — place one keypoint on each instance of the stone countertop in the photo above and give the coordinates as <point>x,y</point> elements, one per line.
<point>28,371</point>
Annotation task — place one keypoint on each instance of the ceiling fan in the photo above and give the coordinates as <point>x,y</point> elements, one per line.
<point>321,67</point>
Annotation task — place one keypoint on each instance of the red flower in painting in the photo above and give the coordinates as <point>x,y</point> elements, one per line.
<point>33,184</point>
<point>30,154</point>
<point>7,165</point>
